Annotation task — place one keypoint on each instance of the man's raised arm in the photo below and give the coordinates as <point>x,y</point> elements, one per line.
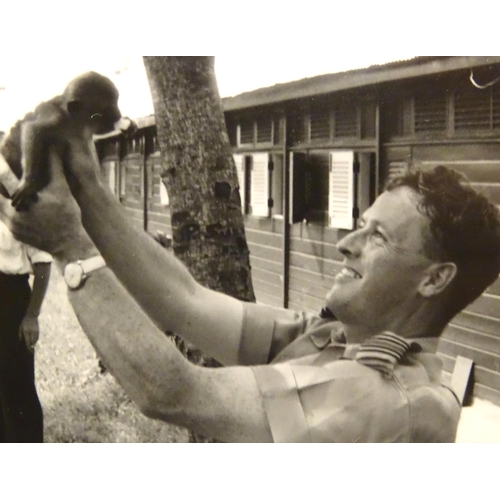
<point>224,403</point>
<point>158,281</point>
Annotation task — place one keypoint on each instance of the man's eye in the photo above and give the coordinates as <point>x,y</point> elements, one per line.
<point>378,234</point>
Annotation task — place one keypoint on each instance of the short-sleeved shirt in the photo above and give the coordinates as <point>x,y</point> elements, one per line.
<point>314,389</point>
<point>17,257</point>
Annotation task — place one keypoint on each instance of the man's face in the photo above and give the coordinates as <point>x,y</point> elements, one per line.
<point>384,264</point>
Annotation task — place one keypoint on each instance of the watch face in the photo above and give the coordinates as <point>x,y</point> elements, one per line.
<point>73,274</point>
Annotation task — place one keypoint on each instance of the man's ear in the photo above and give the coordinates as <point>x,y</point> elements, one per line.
<point>437,278</point>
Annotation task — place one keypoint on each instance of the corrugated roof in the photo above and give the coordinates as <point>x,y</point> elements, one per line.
<point>324,84</point>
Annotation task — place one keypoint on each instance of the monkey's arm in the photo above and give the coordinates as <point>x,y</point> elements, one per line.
<point>36,137</point>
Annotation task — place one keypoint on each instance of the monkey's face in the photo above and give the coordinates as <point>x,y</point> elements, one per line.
<point>103,120</point>
<point>103,113</point>
<point>97,112</point>
<point>92,99</point>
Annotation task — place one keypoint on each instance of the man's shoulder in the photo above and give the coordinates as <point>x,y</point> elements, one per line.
<point>341,400</point>
<point>338,400</point>
<point>268,330</point>
<point>434,407</point>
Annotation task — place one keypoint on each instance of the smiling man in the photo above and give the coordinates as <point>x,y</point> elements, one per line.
<point>364,370</point>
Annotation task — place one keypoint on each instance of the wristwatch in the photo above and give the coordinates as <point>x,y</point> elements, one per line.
<point>75,273</point>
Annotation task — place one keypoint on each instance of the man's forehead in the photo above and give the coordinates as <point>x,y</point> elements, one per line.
<point>396,208</point>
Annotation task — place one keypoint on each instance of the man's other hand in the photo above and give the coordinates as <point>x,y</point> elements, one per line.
<point>53,223</point>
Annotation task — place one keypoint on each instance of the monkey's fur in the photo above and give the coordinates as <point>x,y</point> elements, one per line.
<point>88,105</point>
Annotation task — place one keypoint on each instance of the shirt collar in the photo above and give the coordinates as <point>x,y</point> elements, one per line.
<point>336,338</point>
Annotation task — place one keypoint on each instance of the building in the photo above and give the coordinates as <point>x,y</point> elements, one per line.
<point>312,155</point>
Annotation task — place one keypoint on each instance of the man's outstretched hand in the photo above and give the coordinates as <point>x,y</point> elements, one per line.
<point>53,223</point>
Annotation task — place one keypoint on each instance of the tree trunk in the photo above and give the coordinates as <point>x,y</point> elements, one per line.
<point>200,176</point>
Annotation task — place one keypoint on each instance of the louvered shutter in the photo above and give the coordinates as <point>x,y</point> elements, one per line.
<point>320,124</point>
<point>430,113</point>
<point>109,170</point>
<point>259,185</point>
<point>396,168</point>
<point>123,179</point>
<point>473,110</point>
<point>164,199</point>
<point>341,190</point>
<point>239,161</point>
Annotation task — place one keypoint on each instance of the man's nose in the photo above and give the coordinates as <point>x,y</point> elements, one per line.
<point>351,244</point>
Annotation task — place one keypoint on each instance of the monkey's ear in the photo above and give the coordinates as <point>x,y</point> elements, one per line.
<point>74,106</point>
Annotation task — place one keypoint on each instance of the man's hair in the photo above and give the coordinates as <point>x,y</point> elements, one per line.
<point>464,229</point>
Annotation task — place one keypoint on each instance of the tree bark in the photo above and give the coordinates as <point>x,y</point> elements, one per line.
<point>200,176</point>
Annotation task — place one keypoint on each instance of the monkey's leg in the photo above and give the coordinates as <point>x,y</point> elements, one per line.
<point>25,196</point>
<point>34,149</point>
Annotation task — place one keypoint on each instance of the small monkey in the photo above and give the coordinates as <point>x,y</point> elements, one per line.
<point>88,106</point>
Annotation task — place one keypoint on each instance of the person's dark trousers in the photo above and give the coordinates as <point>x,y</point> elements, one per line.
<point>21,417</point>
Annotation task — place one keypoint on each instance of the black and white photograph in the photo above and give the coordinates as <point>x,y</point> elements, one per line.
<point>294,242</point>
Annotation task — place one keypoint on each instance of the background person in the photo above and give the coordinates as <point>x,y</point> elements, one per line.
<point>21,417</point>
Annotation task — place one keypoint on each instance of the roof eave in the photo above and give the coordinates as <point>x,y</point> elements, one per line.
<point>350,80</point>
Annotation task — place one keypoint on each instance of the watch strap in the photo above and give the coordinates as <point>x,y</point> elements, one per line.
<point>92,264</point>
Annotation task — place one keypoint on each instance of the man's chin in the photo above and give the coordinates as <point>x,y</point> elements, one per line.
<point>333,300</point>
<point>338,300</point>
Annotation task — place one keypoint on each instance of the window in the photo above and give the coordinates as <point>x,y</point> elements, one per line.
<point>331,187</point>
<point>309,187</point>
<point>346,121</point>
<point>472,109</point>
<point>316,187</point>
<point>260,178</point>
<point>246,132</point>
<point>430,113</point>
<point>277,170</point>
<point>264,130</point>
<point>320,124</point>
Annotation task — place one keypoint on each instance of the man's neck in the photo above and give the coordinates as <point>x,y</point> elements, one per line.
<point>420,324</point>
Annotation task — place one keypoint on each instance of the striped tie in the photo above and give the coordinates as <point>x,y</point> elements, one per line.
<point>383,352</point>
